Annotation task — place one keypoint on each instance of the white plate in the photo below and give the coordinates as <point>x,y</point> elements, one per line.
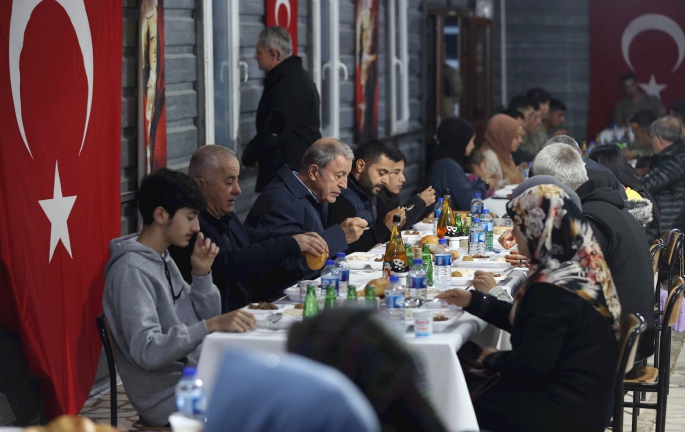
<point>464,281</point>
<point>482,265</point>
<point>411,239</point>
<point>423,226</point>
<point>293,293</point>
<point>360,261</point>
<point>264,312</point>
<point>438,326</point>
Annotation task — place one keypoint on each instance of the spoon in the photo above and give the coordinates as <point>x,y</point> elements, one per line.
<point>273,318</point>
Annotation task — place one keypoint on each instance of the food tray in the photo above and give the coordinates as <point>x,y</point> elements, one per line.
<point>361,260</point>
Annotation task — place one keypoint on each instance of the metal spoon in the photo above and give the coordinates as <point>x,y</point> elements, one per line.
<point>273,318</point>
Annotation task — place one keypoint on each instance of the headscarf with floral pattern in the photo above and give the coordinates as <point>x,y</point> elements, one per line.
<point>563,249</point>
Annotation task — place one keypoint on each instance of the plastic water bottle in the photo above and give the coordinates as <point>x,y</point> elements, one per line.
<point>487,229</point>
<point>436,213</point>
<point>476,205</point>
<point>418,281</point>
<point>442,270</point>
<point>476,238</point>
<point>191,399</point>
<point>394,304</point>
<point>344,271</point>
<point>330,276</point>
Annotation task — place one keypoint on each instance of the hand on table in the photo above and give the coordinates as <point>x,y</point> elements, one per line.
<point>311,242</point>
<point>353,228</point>
<point>388,217</point>
<point>428,196</point>
<point>237,321</point>
<point>483,281</point>
<point>517,260</point>
<point>507,240</point>
<point>203,255</point>
<point>486,352</point>
<point>456,296</point>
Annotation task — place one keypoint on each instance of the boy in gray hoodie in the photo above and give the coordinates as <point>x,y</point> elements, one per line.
<point>157,320</point>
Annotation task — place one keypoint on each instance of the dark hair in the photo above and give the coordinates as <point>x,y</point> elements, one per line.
<point>626,76</point>
<point>372,151</point>
<point>643,162</point>
<point>556,105</point>
<point>522,102</point>
<point>171,190</point>
<point>513,113</point>
<point>475,159</point>
<point>396,155</point>
<point>644,118</point>
<point>539,94</point>
<point>678,108</point>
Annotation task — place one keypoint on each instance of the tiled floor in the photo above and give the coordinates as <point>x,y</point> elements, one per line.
<point>98,409</point>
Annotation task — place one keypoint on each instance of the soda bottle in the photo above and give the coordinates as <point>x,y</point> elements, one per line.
<point>410,254</point>
<point>446,218</point>
<point>343,271</point>
<point>462,238</point>
<point>443,268</point>
<point>427,263</point>
<point>311,305</point>
<point>352,299</point>
<point>331,298</point>
<point>487,229</point>
<point>418,281</point>
<point>395,259</point>
<point>394,304</point>
<point>436,215</point>
<point>370,296</point>
<point>191,398</point>
<point>476,205</point>
<point>330,276</point>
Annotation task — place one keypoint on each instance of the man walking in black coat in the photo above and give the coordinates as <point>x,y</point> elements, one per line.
<point>245,254</point>
<point>288,114</point>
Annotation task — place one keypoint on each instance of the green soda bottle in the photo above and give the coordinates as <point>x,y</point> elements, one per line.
<point>311,306</point>
<point>331,298</point>
<point>407,247</point>
<point>427,263</point>
<point>370,296</point>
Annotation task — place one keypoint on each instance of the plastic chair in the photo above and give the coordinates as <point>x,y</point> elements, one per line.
<point>108,344</point>
<point>631,328</point>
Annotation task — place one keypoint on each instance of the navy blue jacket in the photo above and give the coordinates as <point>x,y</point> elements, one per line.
<point>238,272</point>
<point>354,202</point>
<point>448,174</point>
<point>286,207</point>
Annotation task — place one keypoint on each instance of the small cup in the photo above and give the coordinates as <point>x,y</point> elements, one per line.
<point>423,323</point>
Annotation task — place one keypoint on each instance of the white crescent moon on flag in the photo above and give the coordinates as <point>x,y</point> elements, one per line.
<point>21,14</point>
<point>653,22</point>
<point>278,5</point>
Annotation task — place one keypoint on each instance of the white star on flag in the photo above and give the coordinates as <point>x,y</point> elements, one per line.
<point>652,88</point>
<point>58,210</point>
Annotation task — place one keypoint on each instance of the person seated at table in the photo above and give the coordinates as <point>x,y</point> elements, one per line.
<point>502,138</point>
<point>476,170</point>
<point>564,324</point>
<point>634,101</point>
<point>359,344</point>
<point>640,124</point>
<point>158,320</point>
<point>298,202</point>
<point>536,133</point>
<point>555,118</point>
<point>455,143</point>
<point>388,197</point>
<point>620,236</point>
<point>258,392</point>
<point>519,155</point>
<point>246,254</point>
<point>373,163</point>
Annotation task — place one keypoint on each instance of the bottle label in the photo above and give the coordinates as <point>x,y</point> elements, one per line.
<point>325,281</point>
<point>443,259</point>
<point>474,209</point>
<point>473,237</point>
<point>395,300</point>
<point>481,237</point>
<point>418,282</point>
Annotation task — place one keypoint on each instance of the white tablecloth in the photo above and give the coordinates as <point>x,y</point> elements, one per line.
<point>446,383</point>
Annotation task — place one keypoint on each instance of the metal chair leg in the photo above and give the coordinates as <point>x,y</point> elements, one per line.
<point>636,412</point>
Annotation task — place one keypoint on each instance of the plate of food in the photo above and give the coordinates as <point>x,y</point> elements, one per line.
<point>360,261</point>
<point>263,308</point>
<point>463,276</point>
<point>441,318</point>
<point>424,226</point>
<point>481,264</point>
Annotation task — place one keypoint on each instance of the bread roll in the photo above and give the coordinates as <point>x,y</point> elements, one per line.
<point>429,239</point>
<point>455,255</point>
<point>381,285</point>
<point>315,262</point>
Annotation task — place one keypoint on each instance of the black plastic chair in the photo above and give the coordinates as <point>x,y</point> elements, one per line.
<point>108,344</point>
<point>631,328</point>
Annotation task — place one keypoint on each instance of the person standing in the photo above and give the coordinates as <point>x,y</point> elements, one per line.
<point>634,101</point>
<point>287,119</point>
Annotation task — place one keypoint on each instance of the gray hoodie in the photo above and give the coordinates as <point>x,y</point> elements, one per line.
<point>155,337</point>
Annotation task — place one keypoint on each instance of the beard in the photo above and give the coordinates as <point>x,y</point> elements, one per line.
<point>367,183</point>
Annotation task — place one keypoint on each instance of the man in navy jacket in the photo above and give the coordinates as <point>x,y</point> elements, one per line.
<point>296,202</point>
<point>245,253</point>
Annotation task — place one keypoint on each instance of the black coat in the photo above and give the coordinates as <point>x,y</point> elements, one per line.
<point>388,202</point>
<point>238,273</point>
<point>286,207</point>
<point>287,121</point>
<point>559,375</point>
<point>448,174</point>
<point>622,240</point>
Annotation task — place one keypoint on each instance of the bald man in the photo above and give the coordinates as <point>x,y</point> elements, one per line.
<point>245,254</point>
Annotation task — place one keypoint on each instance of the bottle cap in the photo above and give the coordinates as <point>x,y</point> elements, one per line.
<point>396,219</point>
<point>330,262</point>
<point>189,371</point>
<point>442,241</point>
<point>340,255</point>
<point>448,191</point>
<point>476,195</point>
<point>476,220</point>
<point>441,199</point>
<point>486,211</point>
<point>394,279</point>
<point>418,261</point>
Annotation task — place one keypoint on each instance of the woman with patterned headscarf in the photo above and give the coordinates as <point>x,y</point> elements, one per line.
<point>503,136</point>
<point>564,324</point>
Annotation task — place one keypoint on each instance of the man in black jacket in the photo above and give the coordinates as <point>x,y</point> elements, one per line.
<point>245,254</point>
<point>666,179</point>
<point>619,235</point>
<point>373,163</point>
<point>288,113</point>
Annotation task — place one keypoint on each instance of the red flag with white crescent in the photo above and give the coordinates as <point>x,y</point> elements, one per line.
<point>60,105</point>
<point>283,13</point>
<point>646,38</point>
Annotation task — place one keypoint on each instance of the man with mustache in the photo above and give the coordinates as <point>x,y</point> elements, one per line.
<point>373,163</point>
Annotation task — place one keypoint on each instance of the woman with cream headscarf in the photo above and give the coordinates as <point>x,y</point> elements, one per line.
<point>502,137</point>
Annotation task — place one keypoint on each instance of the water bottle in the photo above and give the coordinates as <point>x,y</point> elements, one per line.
<point>476,205</point>
<point>191,399</point>
<point>344,271</point>
<point>418,282</point>
<point>437,212</point>
<point>487,229</point>
<point>442,271</point>
<point>476,238</point>
<point>330,276</point>
<point>394,304</point>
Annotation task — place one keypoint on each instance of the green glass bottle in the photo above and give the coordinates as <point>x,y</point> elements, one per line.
<point>408,248</point>
<point>311,306</point>
<point>352,294</point>
<point>331,298</point>
<point>370,296</point>
<point>427,263</point>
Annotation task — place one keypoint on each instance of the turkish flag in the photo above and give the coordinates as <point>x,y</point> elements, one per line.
<point>60,107</point>
<point>646,38</point>
<point>283,13</point>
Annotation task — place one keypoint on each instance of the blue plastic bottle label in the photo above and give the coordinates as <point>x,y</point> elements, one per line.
<point>418,282</point>
<point>443,259</point>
